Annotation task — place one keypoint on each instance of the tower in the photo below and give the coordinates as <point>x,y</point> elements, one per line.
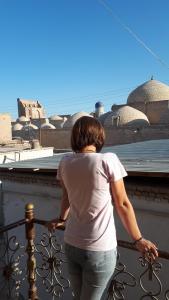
<point>99,109</point>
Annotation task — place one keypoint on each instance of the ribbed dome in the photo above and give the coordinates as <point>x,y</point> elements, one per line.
<point>149,91</point>
<point>71,121</point>
<point>125,116</point>
<point>17,126</point>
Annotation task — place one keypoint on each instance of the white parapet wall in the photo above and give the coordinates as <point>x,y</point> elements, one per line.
<point>5,128</point>
<point>7,156</point>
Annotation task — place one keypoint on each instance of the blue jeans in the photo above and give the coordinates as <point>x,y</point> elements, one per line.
<point>89,271</point>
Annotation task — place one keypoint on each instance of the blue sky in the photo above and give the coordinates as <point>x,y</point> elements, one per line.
<point>68,54</point>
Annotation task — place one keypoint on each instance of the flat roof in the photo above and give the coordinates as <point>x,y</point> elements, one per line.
<point>148,158</point>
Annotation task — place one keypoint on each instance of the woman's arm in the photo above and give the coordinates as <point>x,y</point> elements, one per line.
<point>65,206</point>
<point>64,212</point>
<point>126,213</point>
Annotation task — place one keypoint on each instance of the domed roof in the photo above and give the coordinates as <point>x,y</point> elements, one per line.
<point>17,126</point>
<point>71,121</point>
<point>29,127</point>
<point>98,104</point>
<point>149,91</point>
<point>55,118</point>
<point>47,125</point>
<point>23,119</point>
<point>125,116</point>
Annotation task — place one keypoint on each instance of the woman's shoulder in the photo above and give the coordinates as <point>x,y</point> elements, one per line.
<point>67,156</point>
<point>109,155</point>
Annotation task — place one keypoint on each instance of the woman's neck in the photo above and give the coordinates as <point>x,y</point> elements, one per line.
<point>89,149</point>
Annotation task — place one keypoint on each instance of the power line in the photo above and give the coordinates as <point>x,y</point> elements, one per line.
<point>133,34</point>
<point>88,98</point>
<point>107,97</point>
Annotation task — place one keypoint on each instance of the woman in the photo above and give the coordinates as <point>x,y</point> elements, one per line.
<point>92,184</point>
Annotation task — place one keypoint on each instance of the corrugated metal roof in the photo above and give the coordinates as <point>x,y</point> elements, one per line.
<point>148,158</point>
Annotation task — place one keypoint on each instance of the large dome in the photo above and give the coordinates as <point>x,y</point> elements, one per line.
<point>124,116</point>
<point>149,91</point>
<point>71,120</point>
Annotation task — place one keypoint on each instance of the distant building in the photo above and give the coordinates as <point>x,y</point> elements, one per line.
<point>152,98</point>
<point>5,128</point>
<point>30,109</point>
<point>144,116</point>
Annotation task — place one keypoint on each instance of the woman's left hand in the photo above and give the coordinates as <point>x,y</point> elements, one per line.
<point>147,248</point>
<point>55,224</point>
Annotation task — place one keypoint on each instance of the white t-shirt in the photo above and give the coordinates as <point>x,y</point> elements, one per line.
<point>87,178</point>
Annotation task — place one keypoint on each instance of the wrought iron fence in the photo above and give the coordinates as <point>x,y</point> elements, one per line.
<point>30,265</point>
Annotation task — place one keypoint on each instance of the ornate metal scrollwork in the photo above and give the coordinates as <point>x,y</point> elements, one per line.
<point>50,261</point>
<point>121,279</point>
<point>167,295</point>
<point>11,271</point>
<point>149,280</point>
<point>45,261</point>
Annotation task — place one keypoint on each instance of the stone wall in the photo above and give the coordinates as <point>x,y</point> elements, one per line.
<point>60,138</point>
<point>156,111</point>
<point>115,136</point>
<point>27,135</point>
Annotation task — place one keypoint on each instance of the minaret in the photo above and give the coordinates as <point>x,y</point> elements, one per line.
<point>99,109</point>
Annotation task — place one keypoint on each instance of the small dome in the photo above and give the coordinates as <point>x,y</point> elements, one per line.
<point>47,125</point>
<point>55,118</point>
<point>17,126</point>
<point>149,91</point>
<point>23,119</point>
<point>125,116</point>
<point>99,104</point>
<point>71,121</point>
<point>30,126</point>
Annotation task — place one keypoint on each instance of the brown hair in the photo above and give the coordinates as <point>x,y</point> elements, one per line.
<point>87,131</point>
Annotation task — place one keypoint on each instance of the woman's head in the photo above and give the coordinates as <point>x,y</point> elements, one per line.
<point>87,131</point>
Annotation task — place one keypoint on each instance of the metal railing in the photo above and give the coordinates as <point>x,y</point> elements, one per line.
<point>29,267</point>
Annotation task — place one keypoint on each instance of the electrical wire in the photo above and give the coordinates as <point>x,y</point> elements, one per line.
<point>133,34</point>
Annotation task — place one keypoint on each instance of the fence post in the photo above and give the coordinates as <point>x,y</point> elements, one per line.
<point>31,261</point>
